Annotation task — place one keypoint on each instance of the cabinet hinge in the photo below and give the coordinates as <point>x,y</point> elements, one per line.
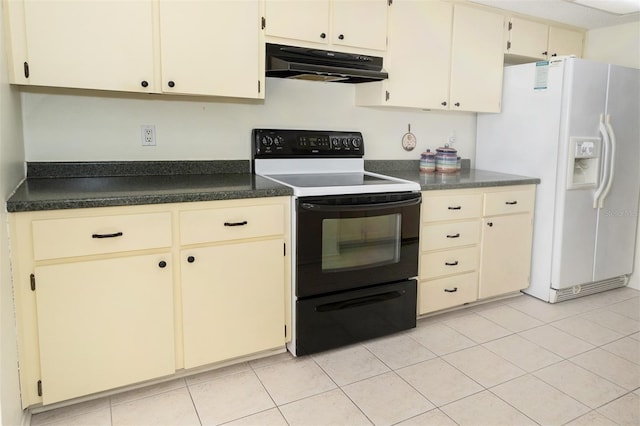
<point>39,387</point>
<point>510,26</point>
<point>26,70</point>
<point>264,22</point>
<point>386,95</point>
<point>508,45</point>
<point>32,279</point>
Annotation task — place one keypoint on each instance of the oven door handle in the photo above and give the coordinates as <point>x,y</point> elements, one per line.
<point>360,207</point>
<point>360,301</point>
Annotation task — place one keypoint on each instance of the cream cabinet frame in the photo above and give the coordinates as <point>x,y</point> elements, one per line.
<point>140,267</point>
<point>475,245</point>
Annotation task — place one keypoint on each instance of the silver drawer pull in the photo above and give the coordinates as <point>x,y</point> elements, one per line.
<point>446,290</point>
<point>451,263</point>
<point>511,203</point>
<point>454,235</point>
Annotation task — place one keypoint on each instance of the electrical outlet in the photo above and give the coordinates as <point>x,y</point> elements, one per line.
<point>148,135</point>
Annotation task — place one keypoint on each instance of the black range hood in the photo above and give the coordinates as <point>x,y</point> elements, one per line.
<point>322,65</point>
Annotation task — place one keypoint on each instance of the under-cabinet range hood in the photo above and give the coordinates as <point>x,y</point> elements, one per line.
<point>322,65</point>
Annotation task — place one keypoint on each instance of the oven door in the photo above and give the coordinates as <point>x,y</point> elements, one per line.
<point>346,242</point>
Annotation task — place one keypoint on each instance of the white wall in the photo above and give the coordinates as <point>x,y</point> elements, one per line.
<point>618,45</point>
<point>74,126</point>
<point>11,173</point>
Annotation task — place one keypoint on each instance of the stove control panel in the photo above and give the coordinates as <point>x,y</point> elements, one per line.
<point>273,143</point>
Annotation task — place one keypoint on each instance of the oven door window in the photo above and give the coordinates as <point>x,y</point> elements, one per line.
<point>360,242</point>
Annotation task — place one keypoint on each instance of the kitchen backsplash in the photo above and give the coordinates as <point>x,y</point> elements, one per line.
<point>88,126</point>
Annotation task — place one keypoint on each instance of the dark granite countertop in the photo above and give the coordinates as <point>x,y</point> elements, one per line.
<point>465,178</point>
<point>85,184</point>
<point>54,186</point>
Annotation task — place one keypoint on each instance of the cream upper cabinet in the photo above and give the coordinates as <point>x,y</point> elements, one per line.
<point>563,41</point>
<point>359,23</point>
<point>211,48</point>
<point>84,44</point>
<point>476,60</point>
<point>298,20</point>
<point>527,38</point>
<point>337,24</point>
<point>440,56</point>
<point>415,80</point>
<point>194,47</point>
<point>528,41</point>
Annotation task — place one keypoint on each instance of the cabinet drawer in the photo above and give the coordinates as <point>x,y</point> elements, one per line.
<point>505,202</point>
<point>451,234</point>
<point>447,262</point>
<point>451,207</point>
<point>447,292</point>
<point>202,226</point>
<point>58,238</point>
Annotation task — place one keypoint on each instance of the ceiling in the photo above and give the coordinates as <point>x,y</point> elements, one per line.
<point>569,11</point>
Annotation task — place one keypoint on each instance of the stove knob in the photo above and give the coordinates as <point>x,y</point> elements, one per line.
<point>335,142</point>
<point>345,142</point>
<point>267,141</point>
<point>278,140</point>
<point>356,142</point>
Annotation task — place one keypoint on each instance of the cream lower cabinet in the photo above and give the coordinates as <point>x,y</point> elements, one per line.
<point>232,300</point>
<point>233,297</point>
<point>507,232</point>
<point>108,297</point>
<point>475,244</point>
<point>104,324</point>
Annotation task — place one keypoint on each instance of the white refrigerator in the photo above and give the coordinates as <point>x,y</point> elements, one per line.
<point>572,123</point>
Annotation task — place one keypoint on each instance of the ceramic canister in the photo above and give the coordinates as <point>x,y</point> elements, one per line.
<point>428,161</point>
<point>446,159</point>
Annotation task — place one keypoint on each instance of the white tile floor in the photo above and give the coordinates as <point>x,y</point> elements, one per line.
<point>518,361</point>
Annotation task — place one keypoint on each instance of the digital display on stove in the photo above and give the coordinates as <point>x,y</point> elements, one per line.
<point>314,142</point>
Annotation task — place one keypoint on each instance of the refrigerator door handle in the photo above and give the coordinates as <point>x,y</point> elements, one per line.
<point>605,173</point>
<point>612,156</point>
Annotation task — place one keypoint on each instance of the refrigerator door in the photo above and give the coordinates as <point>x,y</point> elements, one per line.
<point>574,233</point>
<point>617,220</point>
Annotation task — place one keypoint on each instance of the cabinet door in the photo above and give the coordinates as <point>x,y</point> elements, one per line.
<point>298,20</point>
<point>359,23</point>
<point>211,48</point>
<point>506,254</point>
<point>104,324</point>
<point>90,44</point>
<point>565,42</point>
<point>419,80</point>
<point>477,60</point>
<point>232,300</point>
<point>527,38</point>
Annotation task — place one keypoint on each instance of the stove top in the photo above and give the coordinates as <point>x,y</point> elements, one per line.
<point>314,163</point>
